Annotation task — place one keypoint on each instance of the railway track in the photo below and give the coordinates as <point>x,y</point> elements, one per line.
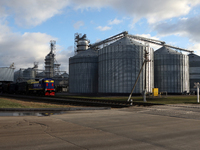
<point>72,101</point>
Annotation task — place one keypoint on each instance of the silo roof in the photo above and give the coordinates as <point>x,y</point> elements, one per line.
<point>166,50</point>
<point>87,53</point>
<point>126,41</point>
<point>194,56</point>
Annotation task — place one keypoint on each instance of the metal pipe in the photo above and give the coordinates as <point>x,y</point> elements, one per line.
<point>178,48</point>
<point>153,41</point>
<point>120,35</point>
<point>147,39</point>
<point>145,80</point>
<point>198,94</point>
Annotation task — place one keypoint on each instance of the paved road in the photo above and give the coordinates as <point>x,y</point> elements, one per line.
<point>158,127</point>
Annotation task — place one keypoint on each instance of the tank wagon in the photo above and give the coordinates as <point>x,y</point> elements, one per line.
<point>171,71</point>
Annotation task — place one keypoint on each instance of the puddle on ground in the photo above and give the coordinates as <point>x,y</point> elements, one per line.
<point>30,113</point>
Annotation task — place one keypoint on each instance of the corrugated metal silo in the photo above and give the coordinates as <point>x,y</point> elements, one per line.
<point>6,74</point>
<point>29,73</point>
<point>194,63</point>
<point>119,66</point>
<point>171,71</point>
<point>83,72</point>
<point>18,75</point>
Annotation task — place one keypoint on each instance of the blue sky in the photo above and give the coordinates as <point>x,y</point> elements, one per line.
<point>27,26</point>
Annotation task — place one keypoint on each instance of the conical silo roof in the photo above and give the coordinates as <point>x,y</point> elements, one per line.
<point>194,57</point>
<point>87,53</point>
<point>126,41</point>
<point>166,50</point>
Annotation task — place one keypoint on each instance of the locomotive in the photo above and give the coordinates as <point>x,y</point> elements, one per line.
<point>43,87</point>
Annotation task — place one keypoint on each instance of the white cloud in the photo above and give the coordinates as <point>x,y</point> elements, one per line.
<point>34,12</point>
<point>185,27</point>
<point>31,12</point>
<point>78,24</point>
<point>62,58</point>
<point>153,10</point>
<point>105,28</point>
<point>196,48</point>
<point>25,49</point>
<point>115,21</point>
<point>29,47</point>
<point>154,46</point>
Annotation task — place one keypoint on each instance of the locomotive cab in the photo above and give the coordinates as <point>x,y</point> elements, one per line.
<point>48,86</point>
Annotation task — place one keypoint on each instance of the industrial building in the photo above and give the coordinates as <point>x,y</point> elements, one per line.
<point>114,65</point>
<point>112,69</point>
<point>52,70</point>
<point>24,74</point>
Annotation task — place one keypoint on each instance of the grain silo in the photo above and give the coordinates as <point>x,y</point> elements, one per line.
<point>6,74</point>
<point>119,65</point>
<point>171,71</point>
<point>83,72</point>
<point>18,75</point>
<point>29,73</point>
<point>194,63</point>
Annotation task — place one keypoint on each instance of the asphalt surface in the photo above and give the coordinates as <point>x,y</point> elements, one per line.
<point>170,127</point>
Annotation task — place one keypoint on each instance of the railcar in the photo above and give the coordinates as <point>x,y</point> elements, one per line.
<point>43,87</point>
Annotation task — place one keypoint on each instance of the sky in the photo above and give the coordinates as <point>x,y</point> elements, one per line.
<point>28,26</point>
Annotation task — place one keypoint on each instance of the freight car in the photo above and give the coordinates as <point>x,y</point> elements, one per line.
<point>44,87</point>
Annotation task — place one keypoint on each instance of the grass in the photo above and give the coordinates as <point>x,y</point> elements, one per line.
<point>180,99</point>
<point>4,103</point>
<point>14,103</point>
<point>177,99</point>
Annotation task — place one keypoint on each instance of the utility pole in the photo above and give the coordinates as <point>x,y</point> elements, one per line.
<point>146,59</point>
<point>197,86</point>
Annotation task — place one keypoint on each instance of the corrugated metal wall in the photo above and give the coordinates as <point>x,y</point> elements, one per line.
<point>6,74</point>
<point>83,72</point>
<point>119,66</point>
<point>29,73</point>
<point>194,63</point>
<point>171,71</point>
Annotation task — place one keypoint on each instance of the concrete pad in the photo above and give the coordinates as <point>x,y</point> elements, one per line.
<point>158,127</point>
